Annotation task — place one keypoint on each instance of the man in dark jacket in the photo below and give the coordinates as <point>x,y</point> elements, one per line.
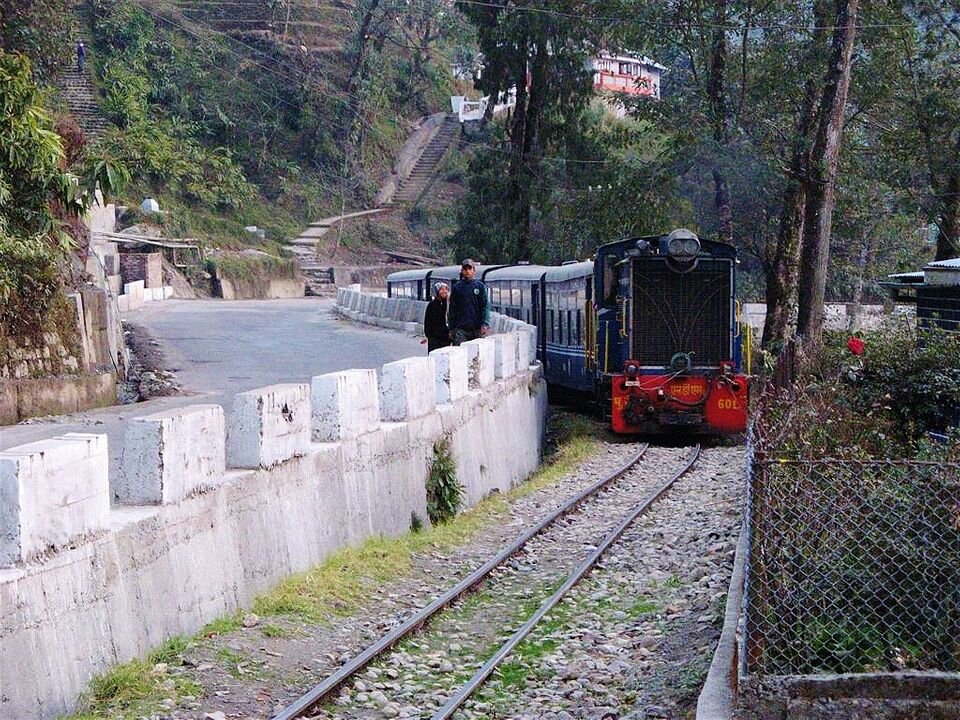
<point>469,316</point>
<point>435,319</point>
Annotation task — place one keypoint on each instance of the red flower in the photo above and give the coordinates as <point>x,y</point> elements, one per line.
<point>855,345</point>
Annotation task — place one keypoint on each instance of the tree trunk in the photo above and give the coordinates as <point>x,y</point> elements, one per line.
<point>716,96</point>
<point>531,143</point>
<point>782,272</point>
<point>781,293</point>
<point>362,37</point>
<point>519,176</point>
<point>820,184</point>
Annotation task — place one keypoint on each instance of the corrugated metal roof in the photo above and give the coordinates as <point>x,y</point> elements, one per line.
<point>951,264</point>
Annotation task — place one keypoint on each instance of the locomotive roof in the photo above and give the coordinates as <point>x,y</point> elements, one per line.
<point>713,247</point>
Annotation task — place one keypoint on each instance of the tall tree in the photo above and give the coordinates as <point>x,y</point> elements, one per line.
<point>541,51</point>
<point>820,183</point>
<point>931,42</point>
<point>719,115</point>
<point>782,265</point>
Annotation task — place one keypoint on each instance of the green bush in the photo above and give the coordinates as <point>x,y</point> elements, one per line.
<point>29,283</point>
<point>444,493</point>
<point>906,384</point>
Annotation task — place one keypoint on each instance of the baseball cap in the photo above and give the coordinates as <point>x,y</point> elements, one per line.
<point>468,263</point>
<point>438,285</point>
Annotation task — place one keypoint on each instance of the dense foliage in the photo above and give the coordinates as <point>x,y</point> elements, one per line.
<point>31,183</point>
<point>884,403</point>
<point>40,29</point>
<point>613,178</point>
<point>214,125</point>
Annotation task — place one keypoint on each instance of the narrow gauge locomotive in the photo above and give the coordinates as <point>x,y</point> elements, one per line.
<point>649,328</point>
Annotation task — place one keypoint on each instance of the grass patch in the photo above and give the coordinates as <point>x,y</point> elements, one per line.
<point>512,674</point>
<point>341,584</point>
<point>275,631</point>
<point>138,687</point>
<point>222,626</point>
<point>643,608</point>
<point>238,664</point>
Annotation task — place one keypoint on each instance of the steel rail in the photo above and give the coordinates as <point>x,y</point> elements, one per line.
<point>458,698</point>
<point>320,691</point>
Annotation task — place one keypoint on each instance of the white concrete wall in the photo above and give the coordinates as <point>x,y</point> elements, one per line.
<point>220,536</point>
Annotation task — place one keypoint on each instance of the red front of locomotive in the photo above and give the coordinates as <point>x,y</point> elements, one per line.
<point>712,403</point>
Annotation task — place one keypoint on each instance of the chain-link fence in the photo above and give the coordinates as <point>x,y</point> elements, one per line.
<point>853,566</point>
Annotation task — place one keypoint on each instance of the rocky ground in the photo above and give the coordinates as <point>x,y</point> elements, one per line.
<point>633,641</point>
<point>146,376</point>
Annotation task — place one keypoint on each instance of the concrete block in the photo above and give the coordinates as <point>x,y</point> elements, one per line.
<point>453,373</point>
<point>481,355</point>
<point>167,292</point>
<point>345,404</point>
<point>123,303</point>
<point>505,360</point>
<point>52,493</point>
<point>408,389</point>
<point>135,291</point>
<point>269,425</point>
<point>168,456</point>
<point>523,349</point>
<point>392,309</point>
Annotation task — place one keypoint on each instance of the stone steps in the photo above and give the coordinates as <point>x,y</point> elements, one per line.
<point>423,172</point>
<point>79,94</point>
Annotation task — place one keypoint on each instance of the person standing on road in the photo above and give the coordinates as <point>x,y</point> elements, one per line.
<point>469,316</point>
<point>435,318</point>
<point>81,56</point>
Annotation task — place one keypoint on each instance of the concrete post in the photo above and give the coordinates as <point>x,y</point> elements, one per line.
<point>269,425</point>
<point>170,455</point>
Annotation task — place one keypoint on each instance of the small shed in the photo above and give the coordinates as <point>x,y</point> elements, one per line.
<point>935,290</point>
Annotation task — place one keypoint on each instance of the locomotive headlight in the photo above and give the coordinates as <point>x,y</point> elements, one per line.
<point>683,245</point>
<point>631,370</point>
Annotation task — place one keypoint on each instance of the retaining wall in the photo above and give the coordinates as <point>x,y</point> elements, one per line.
<point>211,508</point>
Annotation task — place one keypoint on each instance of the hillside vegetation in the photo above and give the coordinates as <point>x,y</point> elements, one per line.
<point>256,112</point>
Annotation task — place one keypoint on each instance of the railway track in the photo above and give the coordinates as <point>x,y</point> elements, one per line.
<point>535,571</point>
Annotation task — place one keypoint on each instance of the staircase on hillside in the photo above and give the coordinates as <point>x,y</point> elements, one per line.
<point>318,279</point>
<point>413,186</point>
<point>78,91</point>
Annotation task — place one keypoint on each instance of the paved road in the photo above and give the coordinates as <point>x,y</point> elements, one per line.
<point>219,348</point>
